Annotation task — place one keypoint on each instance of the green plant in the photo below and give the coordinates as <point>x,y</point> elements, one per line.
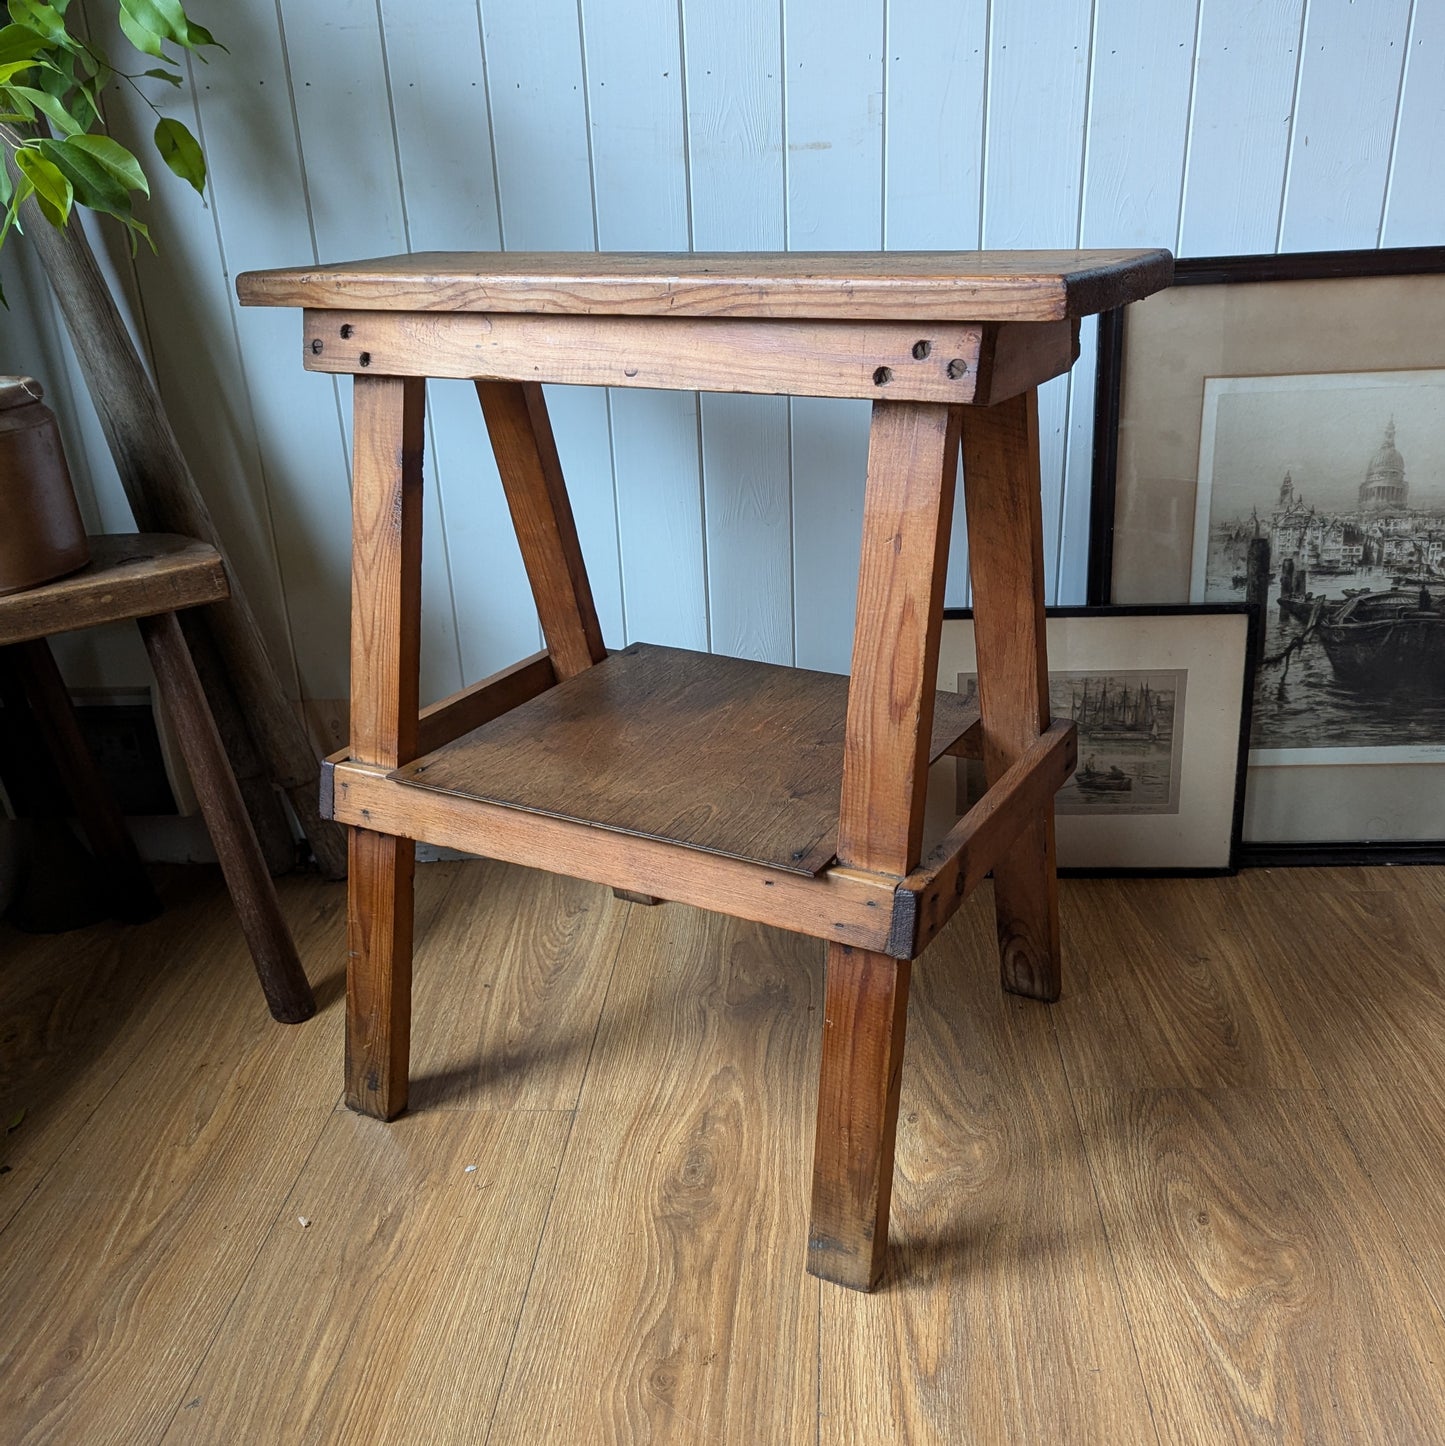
<point>52,128</point>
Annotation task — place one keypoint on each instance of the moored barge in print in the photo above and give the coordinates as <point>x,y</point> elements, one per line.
<point>1387,641</point>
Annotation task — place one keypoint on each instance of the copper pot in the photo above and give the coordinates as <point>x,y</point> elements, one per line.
<point>41,534</point>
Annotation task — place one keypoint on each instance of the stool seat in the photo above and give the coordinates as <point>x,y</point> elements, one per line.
<point>129,575</point>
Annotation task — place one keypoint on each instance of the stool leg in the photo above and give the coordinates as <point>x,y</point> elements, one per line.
<point>247,877</point>
<point>386,497</point>
<point>1006,559</point>
<point>133,898</point>
<point>865,1013</point>
<point>907,513</point>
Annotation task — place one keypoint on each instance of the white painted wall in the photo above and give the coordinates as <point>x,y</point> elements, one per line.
<point>345,128</point>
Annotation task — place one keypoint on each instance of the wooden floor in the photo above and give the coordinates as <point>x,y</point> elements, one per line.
<point>1199,1200</point>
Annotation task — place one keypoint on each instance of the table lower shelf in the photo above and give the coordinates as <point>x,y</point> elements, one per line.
<point>724,755</point>
<point>707,781</point>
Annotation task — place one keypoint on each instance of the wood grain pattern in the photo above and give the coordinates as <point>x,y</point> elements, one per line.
<point>450,717</point>
<point>531,475</point>
<point>129,575</point>
<point>150,1216</point>
<point>667,1279</point>
<point>1005,1323</point>
<point>1005,527</point>
<point>720,754</point>
<point>1234,1262</point>
<point>396,1361</point>
<point>512,969</point>
<point>1162,997</point>
<point>385,665</point>
<point>907,513</point>
<point>910,285</point>
<point>865,1017</point>
<point>902,360</point>
<point>849,905</point>
<point>168,1125</point>
<point>283,980</point>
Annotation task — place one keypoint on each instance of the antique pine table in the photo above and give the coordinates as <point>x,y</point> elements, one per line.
<point>786,797</point>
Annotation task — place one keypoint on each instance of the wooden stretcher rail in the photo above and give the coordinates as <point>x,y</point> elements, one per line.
<point>845,905</point>
<point>929,897</point>
<point>449,718</point>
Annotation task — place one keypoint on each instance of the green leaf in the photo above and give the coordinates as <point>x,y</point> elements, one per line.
<point>139,36</point>
<point>6,184</point>
<point>111,157</point>
<point>43,19</point>
<point>181,152</point>
<point>168,76</point>
<point>53,193</point>
<point>24,112</point>
<point>165,18</point>
<point>199,35</point>
<point>94,185</point>
<point>55,110</point>
<point>17,42</point>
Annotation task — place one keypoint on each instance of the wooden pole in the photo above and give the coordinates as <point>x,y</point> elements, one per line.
<point>164,498</point>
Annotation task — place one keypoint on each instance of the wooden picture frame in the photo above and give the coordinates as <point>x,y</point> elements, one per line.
<point>1245,400</point>
<point>1160,697</point>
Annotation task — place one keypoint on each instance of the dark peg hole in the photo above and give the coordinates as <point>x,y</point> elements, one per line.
<point>346,331</point>
<point>316,347</point>
<point>921,349</point>
<point>957,367</point>
<point>882,377</point>
<point>365,358</point>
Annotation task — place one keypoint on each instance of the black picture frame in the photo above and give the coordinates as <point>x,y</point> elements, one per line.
<point>1241,751</point>
<point>1108,395</point>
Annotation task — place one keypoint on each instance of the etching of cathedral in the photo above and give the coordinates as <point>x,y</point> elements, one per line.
<point>1384,485</point>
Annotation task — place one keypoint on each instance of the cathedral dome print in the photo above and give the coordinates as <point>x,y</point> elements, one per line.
<point>1384,484</point>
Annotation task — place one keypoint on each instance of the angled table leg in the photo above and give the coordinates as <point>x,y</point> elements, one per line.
<point>907,513</point>
<point>389,413</point>
<point>531,473</point>
<point>1005,530</point>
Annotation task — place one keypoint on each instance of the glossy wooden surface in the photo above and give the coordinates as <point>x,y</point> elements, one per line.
<point>1141,1216</point>
<point>907,285</point>
<point>720,754</point>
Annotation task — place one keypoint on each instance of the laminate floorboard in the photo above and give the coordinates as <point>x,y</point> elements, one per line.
<point>1196,1201</point>
<point>670,1277</point>
<point>1000,1318</point>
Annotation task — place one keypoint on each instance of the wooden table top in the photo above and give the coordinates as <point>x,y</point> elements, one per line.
<point>837,285</point>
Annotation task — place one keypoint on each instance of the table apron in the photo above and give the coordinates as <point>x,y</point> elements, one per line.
<point>974,363</point>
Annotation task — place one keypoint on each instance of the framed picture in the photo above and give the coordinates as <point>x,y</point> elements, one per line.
<point>1300,400</point>
<point>1160,698</point>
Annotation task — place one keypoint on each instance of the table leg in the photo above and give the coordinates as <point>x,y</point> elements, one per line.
<point>1005,531</point>
<point>389,414</point>
<point>531,473</point>
<point>907,513</point>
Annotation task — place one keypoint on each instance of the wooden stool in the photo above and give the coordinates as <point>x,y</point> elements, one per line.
<point>820,830</point>
<point>151,577</point>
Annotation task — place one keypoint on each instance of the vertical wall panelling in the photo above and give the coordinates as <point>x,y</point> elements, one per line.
<point>633,64</point>
<point>1138,123</point>
<point>348,151</point>
<point>833,99</point>
<point>1344,122</point>
<point>1239,131</point>
<point>1414,210</point>
<point>188,337</point>
<point>1037,95</point>
<point>935,63</point>
<point>544,180</point>
<point>734,95</point>
<point>449,190</point>
<point>734,88</point>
